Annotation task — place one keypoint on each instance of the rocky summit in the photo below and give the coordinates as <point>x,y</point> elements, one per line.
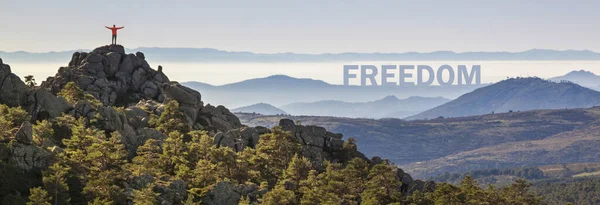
<point>121,95</point>
<point>127,80</point>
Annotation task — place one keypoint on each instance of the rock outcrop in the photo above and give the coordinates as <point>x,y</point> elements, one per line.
<point>127,80</point>
<point>24,154</point>
<point>238,139</point>
<point>45,105</point>
<point>13,91</point>
<point>318,143</point>
<point>110,75</point>
<point>227,193</point>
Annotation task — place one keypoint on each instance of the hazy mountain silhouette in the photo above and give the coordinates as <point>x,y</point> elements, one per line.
<point>215,55</point>
<point>388,107</point>
<point>516,94</point>
<point>279,90</point>
<point>260,108</point>
<point>581,77</point>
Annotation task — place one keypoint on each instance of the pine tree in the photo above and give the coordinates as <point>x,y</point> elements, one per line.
<point>171,119</point>
<point>106,157</point>
<point>279,196</point>
<point>296,171</point>
<point>42,130</point>
<point>205,177</point>
<point>30,81</point>
<point>72,93</point>
<point>448,194</point>
<point>355,176</point>
<point>471,191</point>
<point>173,153</point>
<point>55,182</point>
<point>519,193</point>
<point>145,196</point>
<point>38,196</point>
<point>147,159</point>
<point>382,186</point>
<point>273,153</point>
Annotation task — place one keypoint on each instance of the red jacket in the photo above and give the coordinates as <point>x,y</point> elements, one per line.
<point>114,29</point>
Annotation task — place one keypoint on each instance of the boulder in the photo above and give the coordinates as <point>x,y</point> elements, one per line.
<point>25,133</point>
<point>249,136</point>
<point>136,117</point>
<point>110,119</point>
<point>174,192</point>
<point>218,118</point>
<point>113,63</point>
<point>28,157</point>
<point>83,108</point>
<point>224,193</point>
<point>13,91</point>
<point>44,105</point>
<point>181,94</point>
<point>231,139</point>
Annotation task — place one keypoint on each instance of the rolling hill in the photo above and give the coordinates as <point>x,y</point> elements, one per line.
<point>260,108</point>
<point>581,77</point>
<point>388,107</point>
<point>430,147</point>
<point>516,94</point>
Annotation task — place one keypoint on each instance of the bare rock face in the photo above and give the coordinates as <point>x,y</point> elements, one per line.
<point>13,91</point>
<point>224,193</point>
<point>218,118</point>
<point>25,133</point>
<point>239,139</point>
<point>127,80</point>
<point>45,105</point>
<point>25,154</point>
<point>189,100</point>
<point>318,143</point>
<point>110,75</point>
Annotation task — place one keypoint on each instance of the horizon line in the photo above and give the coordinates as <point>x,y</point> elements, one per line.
<point>325,53</point>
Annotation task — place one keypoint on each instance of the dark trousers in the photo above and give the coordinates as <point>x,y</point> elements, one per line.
<point>114,39</point>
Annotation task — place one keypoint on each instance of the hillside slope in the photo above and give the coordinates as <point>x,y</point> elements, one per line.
<point>516,94</point>
<point>428,147</point>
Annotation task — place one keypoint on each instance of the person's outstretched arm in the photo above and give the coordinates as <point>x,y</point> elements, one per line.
<point>107,27</point>
<point>121,27</point>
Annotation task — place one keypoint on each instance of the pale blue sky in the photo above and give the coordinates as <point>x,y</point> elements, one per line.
<point>303,26</point>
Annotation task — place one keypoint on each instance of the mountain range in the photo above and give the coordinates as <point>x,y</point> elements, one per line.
<point>215,55</point>
<point>388,107</point>
<point>516,94</point>
<point>280,90</point>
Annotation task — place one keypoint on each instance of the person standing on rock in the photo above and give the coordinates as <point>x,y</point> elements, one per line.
<point>114,33</point>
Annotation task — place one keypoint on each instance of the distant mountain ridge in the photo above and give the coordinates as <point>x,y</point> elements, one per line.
<point>280,90</point>
<point>388,107</point>
<point>215,55</point>
<point>260,108</point>
<point>581,77</point>
<point>516,94</point>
